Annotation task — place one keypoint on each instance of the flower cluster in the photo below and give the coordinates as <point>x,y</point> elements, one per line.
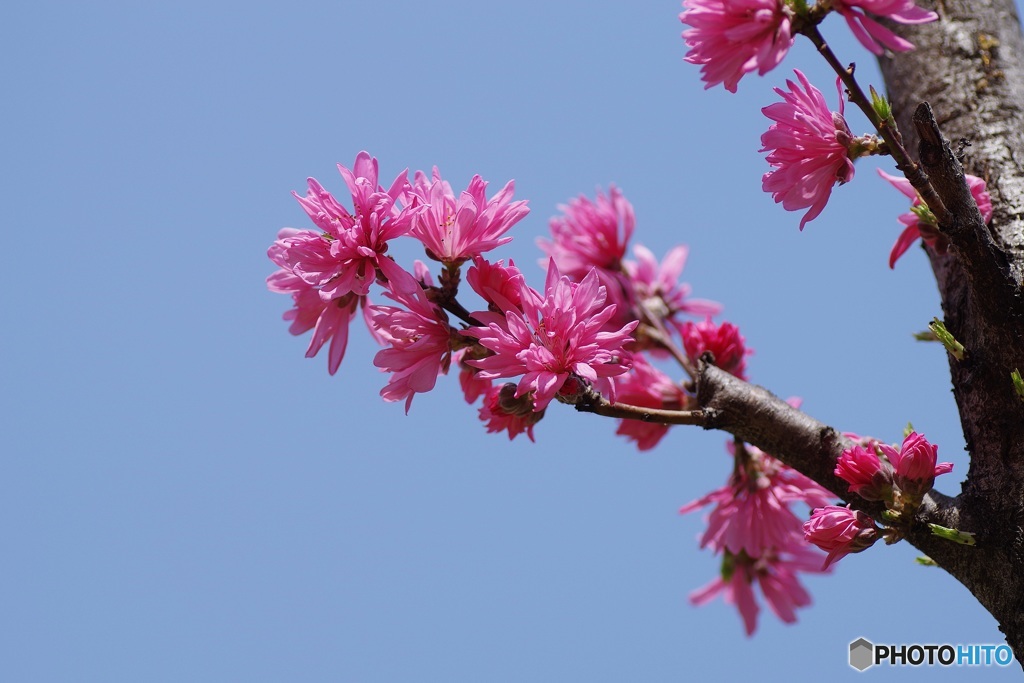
<point>329,273</point>
<point>876,472</point>
<point>595,334</point>
<point>576,337</point>
<point>753,526</point>
<point>591,238</point>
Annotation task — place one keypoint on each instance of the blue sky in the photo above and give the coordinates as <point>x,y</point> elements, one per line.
<point>183,496</point>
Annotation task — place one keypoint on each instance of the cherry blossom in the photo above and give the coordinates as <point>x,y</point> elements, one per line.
<point>752,511</point>
<point>809,147</point>
<point>351,250</point>
<point>554,337</point>
<point>590,234</point>
<point>656,286</point>
<point>775,573</point>
<point>455,229</point>
<point>420,340</point>
<point>870,33</point>
<point>731,38</point>
<point>920,222</point>
<point>496,282</point>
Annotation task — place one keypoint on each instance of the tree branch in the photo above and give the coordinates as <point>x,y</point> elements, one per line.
<point>592,402</point>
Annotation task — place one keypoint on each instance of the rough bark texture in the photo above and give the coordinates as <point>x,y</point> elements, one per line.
<point>969,66</point>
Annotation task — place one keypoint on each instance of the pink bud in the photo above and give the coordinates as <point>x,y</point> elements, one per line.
<point>840,531</point>
<point>915,464</point>
<point>868,476</point>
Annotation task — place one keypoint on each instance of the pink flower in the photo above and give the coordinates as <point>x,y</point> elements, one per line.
<point>456,229</point>
<point>496,283</point>
<point>921,224</point>
<point>590,234</point>
<point>657,287</point>
<point>554,337</point>
<point>338,265</point>
<point>329,320</point>
<point>504,411</point>
<point>473,387</point>
<point>752,511</point>
<point>915,464</point>
<point>808,146</point>
<point>840,531</point>
<point>420,339</point>
<point>351,250</point>
<point>646,386</point>
<point>731,38</point>
<point>868,476</point>
<point>306,254</point>
<point>724,342</point>
<point>776,575</point>
<point>870,33</point>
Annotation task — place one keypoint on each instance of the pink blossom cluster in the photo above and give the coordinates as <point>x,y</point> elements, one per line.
<point>591,238</point>
<point>731,38</point>
<point>329,272</point>
<point>876,472</point>
<point>880,472</point>
<point>561,342</point>
<point>603,322</point>
<point>586,331</point>
<point>753,526</point>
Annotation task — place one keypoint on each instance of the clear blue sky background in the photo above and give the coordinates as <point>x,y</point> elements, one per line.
<point>184,497</point>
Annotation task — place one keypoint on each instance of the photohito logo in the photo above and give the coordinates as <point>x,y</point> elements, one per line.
<point>865,654</point>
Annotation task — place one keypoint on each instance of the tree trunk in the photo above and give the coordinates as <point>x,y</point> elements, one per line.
<point>968,67</point>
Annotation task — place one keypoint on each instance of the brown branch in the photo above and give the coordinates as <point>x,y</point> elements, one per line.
<point>591,402</point>
<point>986,264</point>
<point>758,417</point>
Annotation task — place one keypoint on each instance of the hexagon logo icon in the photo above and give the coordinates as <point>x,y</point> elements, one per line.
<point>862,654</point>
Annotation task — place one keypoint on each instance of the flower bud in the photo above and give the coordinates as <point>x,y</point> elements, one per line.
<point>840,531</point>
<point>867,474</point>
<point>915,465</point>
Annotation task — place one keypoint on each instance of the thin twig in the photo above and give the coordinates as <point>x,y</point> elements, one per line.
<point>594,403</point>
